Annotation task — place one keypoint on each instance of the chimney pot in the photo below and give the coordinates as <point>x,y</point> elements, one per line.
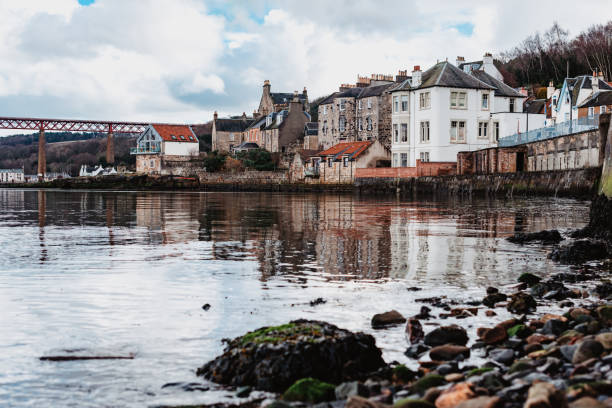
<point>417,68</point>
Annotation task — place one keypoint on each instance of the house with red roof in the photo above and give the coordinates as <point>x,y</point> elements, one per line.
<point>160,141</point>
<point>339,163</point>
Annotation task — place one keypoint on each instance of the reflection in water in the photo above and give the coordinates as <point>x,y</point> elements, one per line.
<point>129,272</point>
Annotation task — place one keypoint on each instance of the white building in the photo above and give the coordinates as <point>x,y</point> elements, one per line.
<point>574,92</point>
<point>444,110</point>
<point>98,170</point>
<point>158,141</point>
<point>12,176</point>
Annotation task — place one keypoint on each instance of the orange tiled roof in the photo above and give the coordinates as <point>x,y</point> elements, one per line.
<point>176,133</point>
<point>352,149</point>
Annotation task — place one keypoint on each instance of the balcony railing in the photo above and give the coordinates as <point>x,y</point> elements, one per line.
<point>145,150</point>
<point>560,129</point>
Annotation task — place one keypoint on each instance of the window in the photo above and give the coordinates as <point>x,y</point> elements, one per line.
<point>424,156</point>
<point>482,129</point>
<point>360,123</point>
<point>190,137</point>
<point>330,162</point>
<point>485,101</point>
<point>496,131</point>
<point>395,133</point>
<point>424,132</point>
<point>396,104</point>
<point>425,100</point>
<point>345,161</point>
<point>174,137</point>
<point>602,109</point>
<point>395,160</point>
<point>458,100</point>
<point>342,103</point>
<point>152,164</point>
<point>369,121</point>
<point>457,131</point>
<point>231,137</point>
<point>591,111</point>
<point>182,137</point>
<point>404,157</point>
<point>511,104</point>
<point>369,104</point>
<point>325,109</point>
<point>404,132</point>
<point>341,124</point>
<point>404,103</point>
<point>325,127</point>
<point>359,104</point>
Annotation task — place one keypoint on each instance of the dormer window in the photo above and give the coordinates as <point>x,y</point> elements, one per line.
<point>173,137</point>
<point>182,137</point>
<point>191,138</point>
<point>342,104</point>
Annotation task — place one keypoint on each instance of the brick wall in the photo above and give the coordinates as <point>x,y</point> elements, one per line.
<point>386,172</point>
<point>435,168</point>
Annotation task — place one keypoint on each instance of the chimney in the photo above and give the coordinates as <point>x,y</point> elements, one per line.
<point>401,75</point>
<point>305,93</point>
<point>459,61</point>
<point>215,116</point>
<point>244,116</point>
<point>595,82</point>
<point>550,90</point>
<point>487,59</point>
<point>295,104</point>
<point>416,76</point>
<point>266,87</point>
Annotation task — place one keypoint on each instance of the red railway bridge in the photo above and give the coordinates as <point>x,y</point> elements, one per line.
<point>66,125</point>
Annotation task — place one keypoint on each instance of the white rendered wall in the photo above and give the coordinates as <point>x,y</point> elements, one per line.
<point>181,149</point>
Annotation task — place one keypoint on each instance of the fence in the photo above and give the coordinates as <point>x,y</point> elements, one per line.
<point>560,129</point>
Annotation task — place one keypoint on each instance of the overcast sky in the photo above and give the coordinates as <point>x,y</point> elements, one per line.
<point>180,60</point>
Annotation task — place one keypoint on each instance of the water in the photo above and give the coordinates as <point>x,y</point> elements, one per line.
<point>127,273</point>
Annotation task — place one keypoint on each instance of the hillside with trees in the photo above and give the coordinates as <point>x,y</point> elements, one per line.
<point>553,55</point>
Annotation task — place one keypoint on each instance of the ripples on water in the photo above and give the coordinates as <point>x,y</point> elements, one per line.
<point>120,273</point>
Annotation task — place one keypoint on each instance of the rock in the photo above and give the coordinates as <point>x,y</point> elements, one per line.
<point>243,392</point>
<point>587,402</point>
<point>310,390</point>
<point>576,312</point>
<point>454,395</point>
<point>579,251</point>
<point>546,237</point>
<point>351,389</point>
<point>529,279</point>
<point>382,320</point>
<point>423,314</point>
<point>492,381</point>
<point>416,350</point>
<point>187,386</point>
<point>504,356</point>
<point>520,330</point>
<point>402,374</point>
<point>447,335</point>
<point>545,395</point>
<point>360,402</point>
<point>605,314</point>
<point>605,339</point>
<point>492,299</point>
<point>539,338</point>
<point>586,350</point>
<point>490,313</point>
<point>413,403</point>
<point>520,365</point>
<point>430,380</point>
<point>568,352</point>
<point>273,358</point>
<point>432,394</point>
<point>604,290</point>
<point>454,377</point>
<point>554,327</point>
<point>521,303</point>
<point>277,404</point>
<point>317,301</point>
<point>414,331</point>
<point>495,335</point>
<point>481,402</point>
<point>491,290</point>
<point>448,352</point>
<point>206,307</point>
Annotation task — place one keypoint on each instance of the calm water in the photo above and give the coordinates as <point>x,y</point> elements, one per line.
<point>120,273</point>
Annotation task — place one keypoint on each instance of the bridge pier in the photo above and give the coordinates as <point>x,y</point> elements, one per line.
<point>110,147</point>
<point>42,155</point>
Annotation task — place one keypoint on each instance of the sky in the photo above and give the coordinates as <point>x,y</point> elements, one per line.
<point>178,61</point>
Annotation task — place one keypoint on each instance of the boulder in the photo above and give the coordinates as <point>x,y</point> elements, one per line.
<point>605,339</point>
<point>310,390</point>
<point>502,355</point>
<point>545,395</point>
<point>587,402</point>
<point>452,334</point>
<point>521,303</point>
<point>481,402</point>
<point>414,331</point>
<point>351,389</point>
<point>448,352</point>
<point>494,335</point>
<point>586,350</point>
<point>491,299</point>
<point>413,403</point>
<point>427,382</point>
<point>452,396</point>
<point>382,320</point>
<point>579,251</point>
<point>529,279</point>
<point>273,358</point>
<point>545,237</point>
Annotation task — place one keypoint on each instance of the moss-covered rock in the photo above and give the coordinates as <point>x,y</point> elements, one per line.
<point>478,371</point>
<point>425,383</point>
<point>402,374</point>
<point>273,358</point>
<point>310,390</point>
<point>520,331</point>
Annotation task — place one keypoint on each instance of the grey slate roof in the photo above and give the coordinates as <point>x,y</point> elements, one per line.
<point>376,90</point>
<point>247,146</point>
<point>231,125</point>
<point>447,75</point>
<point>598,99</point>
<point>311,128</point>
<point>584,82</point>
<point>349,93</point>
<point>501,89</point>
<point>535,106</point>
<point>284,97</point>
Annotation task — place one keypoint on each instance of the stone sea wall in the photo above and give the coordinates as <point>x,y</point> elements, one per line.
<point>571,183</point>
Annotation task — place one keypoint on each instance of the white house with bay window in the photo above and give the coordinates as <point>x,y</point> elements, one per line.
<point>444,110</point>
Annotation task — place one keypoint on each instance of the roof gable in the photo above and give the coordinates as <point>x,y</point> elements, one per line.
<point>445,74</point>
<point>175,133</point>
<point>501,89</point>
<point>351,149</point>
<point>598,99</point>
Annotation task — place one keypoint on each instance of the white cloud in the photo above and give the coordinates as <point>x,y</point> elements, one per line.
<point>180,60</point>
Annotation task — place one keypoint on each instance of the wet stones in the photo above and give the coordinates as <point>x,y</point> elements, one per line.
<point>493,298</point>
<point>521,303</point>
<point>383,320</point>
<point>579,251</point>
<point>452,334</point>
<point>545,395</point>
<point>448,352</point>
<point>545,237</point>
<point>414,331</point>
<point>586,350</point>
<point>273,358</point>
<point>529,279</point>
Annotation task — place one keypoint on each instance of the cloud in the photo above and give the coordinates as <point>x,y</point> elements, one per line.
<point>180,60</point>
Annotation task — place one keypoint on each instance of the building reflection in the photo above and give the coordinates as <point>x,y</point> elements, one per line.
<point>340,237</point>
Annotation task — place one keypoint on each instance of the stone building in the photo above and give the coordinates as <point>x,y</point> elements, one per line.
<point>373,114</point>
<point>596,104</point>
<point>228,133</point>
<point>285,128</point>
<point>311,136</point>
<point>160,141</point>
<point>337,117</point>
<point>277,101</point>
